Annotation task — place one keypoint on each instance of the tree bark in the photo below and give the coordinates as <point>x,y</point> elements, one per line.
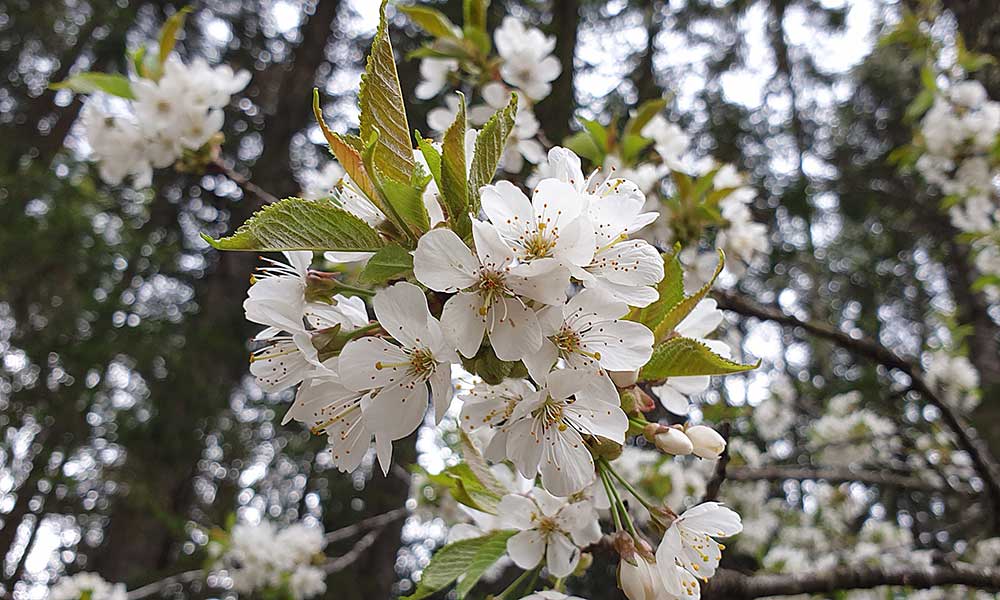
<point>556,111</point>
<point>730,585</point>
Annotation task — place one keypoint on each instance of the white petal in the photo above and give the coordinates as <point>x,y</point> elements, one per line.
<point>441,391</point>
<point>443,262</point>
<point>561,555</point>
<point>526,548</point>
<point>493,252</point>
<point>547,288</point>
<point>402,311</point>
<point>712,518</point>
<point>671,399</point>
<point>591,306</point>
<point>541,362</point>
<point>556,204</point>
<point>515,511</point>
<point>462,322</point>
<point>623,345</point>
<point>507,208</point>
<point>363,363</point>
<point>702,320</point>
<point>599,418</point>
<point>566,466</point>
<point>398,409</point>
<point>633,262</point>
<point>383,449</point>
<point>524,447</point>
<point>691,384</point>
<point>515,332</point>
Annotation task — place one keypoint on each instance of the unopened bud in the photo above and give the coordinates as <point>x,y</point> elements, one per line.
<point>639,580</point>
<point>624,379</point>
<point>586,559</point>
<point>706,442</point>
<point>673,441</point>
<point>643,401</point>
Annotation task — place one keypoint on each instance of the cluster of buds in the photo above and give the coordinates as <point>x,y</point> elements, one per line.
<point>700,440</point>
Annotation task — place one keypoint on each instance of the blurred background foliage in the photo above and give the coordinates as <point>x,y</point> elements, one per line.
<point>127,416</point>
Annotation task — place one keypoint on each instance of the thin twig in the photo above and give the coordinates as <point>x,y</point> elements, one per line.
<point>243,182</point>
<point>841,475</point>
<point>342,562</point>
<point>719,476</point>
<point>161,585</point>
<point>968,440</point>
<point>374,522</point>
<point>731,585</point>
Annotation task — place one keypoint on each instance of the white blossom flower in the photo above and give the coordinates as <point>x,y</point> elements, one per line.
<point>404,375</point>
<point>550,595</point>
<point>589,334</point>
<point>434,76</point>
<point>86,585</point>
<point>528,63</point>
<point>642,581</point>
<point>491,290</point>
<point>489,407</point>
<point>545,433</point>
<point>689,543</point>
<point>277,300</point>
<point>326,406</point>
<point>701,321</point>
<point>522,144</point>
<point>260,558</point>
<point>549,528</point>
<point>547,230</point>
<point>669,140</point>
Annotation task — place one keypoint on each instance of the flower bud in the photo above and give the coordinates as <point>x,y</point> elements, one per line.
<point>639,580</point>
<point>673,441</point>
<point>706,442</point>
<point>624,379</point>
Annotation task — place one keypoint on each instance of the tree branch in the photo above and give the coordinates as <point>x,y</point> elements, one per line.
<point>844,475</point>
<point>159,586</point>
<point>244,183</point>
<point>732,585</point>
<point>966,437</point>
<point>374,522</point>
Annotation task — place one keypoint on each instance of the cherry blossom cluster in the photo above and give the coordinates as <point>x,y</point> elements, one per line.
<point>90,586</point>
<point>261,559</point>
<point>523,64</point>
<point>165,118</point>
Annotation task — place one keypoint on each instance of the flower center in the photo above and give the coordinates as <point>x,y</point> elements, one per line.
<point>547,526</point>
<point>552,413</point>
<point>541,243</point>
<point>422,363</point>
<point>568,342</point>
<point>492,285</point>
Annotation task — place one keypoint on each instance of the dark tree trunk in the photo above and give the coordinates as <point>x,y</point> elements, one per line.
<point>556,111</point>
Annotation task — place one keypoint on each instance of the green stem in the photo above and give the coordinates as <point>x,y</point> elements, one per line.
<point>634,421</point>
<point>617,501</point>
<point>628,486</point>
<point>340,286</point>
<point>609,490</point>
<point>360,331</point>
<point>531,577</point>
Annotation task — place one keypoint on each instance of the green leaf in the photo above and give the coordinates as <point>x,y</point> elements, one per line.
<point>597,132</point>
<point>479,467</point>
<point>464,557</point>
<point>88,83</point>
<point>671,289</point>
<point>490,145</point>
<point>683,357</point>
<point>391,262</point>
<point>383,108</point>
<point>920,105</point>
<point>683,308</point>
<point>467,489</point>
<point>583,144</point>
<point>168,35</point>
<point>432,156</point>
<point>299,224</point>
<point>454,183</point>
<point>632,146</point>
<point>432,21</point>
<point>406,199</point>
<point>347,154</point>
<point>474,13</point>
<point>646,111</point>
